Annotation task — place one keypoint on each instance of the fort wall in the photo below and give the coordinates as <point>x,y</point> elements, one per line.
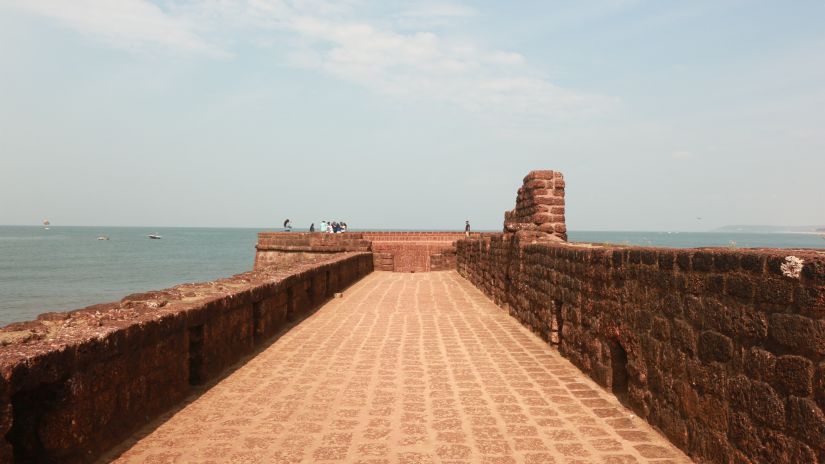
<point>287,248</point>
<point>723,350</point>
<point>413,251</point>
<point>75,384</point>
<point>392,251</point>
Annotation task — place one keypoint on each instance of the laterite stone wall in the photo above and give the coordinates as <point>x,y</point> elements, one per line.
<point>74,384</point>
<point>392,251</point>
<point>717,348</point>
<point>413,251</point>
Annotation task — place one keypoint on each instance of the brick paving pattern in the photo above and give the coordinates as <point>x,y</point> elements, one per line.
<point>405,368</point>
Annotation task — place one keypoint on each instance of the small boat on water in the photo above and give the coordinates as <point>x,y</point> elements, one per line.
<point>103,237</point>
<point>154,236</point>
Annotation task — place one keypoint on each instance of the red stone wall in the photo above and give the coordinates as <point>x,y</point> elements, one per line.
<point>539,211</point>
<point>392,251</point>
<point>717,348</point>
<point>288,248</point>
<point>74,384</point>
<point>413,251</point>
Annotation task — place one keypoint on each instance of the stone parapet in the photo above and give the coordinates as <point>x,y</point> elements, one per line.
<point>413,251</point>
<point>74,384</point>
<point>722,350</point>
<point>392,251</point>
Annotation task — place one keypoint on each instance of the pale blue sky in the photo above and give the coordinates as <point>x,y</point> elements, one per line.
<point>410,114</point>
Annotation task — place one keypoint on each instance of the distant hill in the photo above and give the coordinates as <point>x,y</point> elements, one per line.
<point>762,229</point>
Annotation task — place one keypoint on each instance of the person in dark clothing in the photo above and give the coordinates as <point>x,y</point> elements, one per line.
<point>312,227</point>
<point>467,228</point>
<point>287,225</point>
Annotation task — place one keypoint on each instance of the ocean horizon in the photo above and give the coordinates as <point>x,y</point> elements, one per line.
<point>66,267</point>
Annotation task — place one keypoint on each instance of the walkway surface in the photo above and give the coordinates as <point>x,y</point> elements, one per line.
<point>405,368</point>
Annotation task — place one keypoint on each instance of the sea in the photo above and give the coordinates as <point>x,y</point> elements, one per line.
<point>65,268</point>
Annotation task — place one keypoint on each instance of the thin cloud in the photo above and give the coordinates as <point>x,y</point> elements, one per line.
<point>130,24</point>
<point>332,38</point>
<point>423,64</point>
<point>434,15</point>
<point>436,10</point>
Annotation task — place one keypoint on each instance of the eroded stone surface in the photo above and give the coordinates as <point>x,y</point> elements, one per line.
<point>405,368</point>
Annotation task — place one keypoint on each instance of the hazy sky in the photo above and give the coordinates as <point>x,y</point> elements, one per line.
<point>411,114</point>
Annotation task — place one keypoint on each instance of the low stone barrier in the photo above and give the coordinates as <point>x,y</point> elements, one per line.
<point>723,350</point>
<point>287,248</point>
<point>74,384</point>
<point>392,251</point>
<point>413,251</point>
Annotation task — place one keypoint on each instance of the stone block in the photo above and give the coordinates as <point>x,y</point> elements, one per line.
<point>683,337</point>
<point>762,444</point>
<point>712,412</point>
<point>535,184</point>
<point>794,375</point>
<point>683,259</point>
<point>814,270</point>
<point>810,301</point>
<point>648,257</point>
<point>725,261</point>
<point>549,200</point>
<point>666,260</point>
<point>739,286</point>
<point>542,218</point>
<point>714,346</point>
<point>757,399</point>
<point>702,261</point>
<point>541,174</point>
<point>714,283</point>
<point>806,421</point>
<point>798,332</point>
<point>708,445</point>
<point>671,423</point>
<point>760,364</point>
<point>752,262</point>
<point>736,320</point>
<point>774,290</point>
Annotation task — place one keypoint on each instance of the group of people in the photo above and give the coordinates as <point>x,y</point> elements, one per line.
<point>330,227</point>
<point>327,227</point>
<point>334,227</point>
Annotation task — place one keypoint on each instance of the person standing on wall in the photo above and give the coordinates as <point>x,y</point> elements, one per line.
<point>323,226</point>
<point>467,228</point>
<point>312,227</point>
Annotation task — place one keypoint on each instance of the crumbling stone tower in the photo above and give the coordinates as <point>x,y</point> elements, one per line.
<point>539,211</point>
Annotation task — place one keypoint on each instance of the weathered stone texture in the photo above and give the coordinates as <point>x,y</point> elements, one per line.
<point>74,384</point>
<point>392,251</point>
<point>717,348</point>
<point>539,211</point>
<point>413,251</point>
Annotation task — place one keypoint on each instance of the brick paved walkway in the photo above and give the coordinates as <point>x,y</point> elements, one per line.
<point>406,368</point>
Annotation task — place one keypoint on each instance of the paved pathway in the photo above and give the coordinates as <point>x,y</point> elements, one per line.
<point>405,368</point>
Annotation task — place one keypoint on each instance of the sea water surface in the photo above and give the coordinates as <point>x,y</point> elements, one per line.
<point>66,268</point>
